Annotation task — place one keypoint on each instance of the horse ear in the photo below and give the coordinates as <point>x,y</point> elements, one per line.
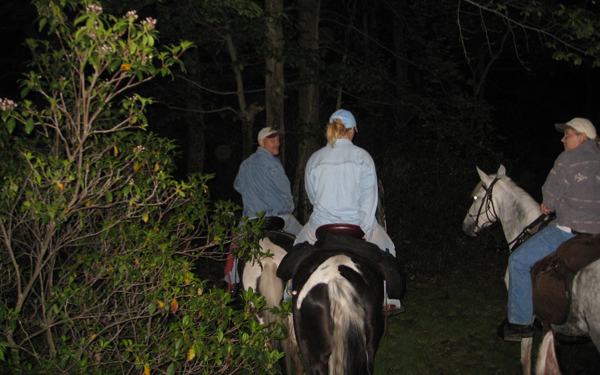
<point>487,180</point>
<point>501,171</point>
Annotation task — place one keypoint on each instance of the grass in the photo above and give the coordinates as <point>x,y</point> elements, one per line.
<point>455,301</point>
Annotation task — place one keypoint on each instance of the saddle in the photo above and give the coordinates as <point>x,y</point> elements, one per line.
<point>272,223</point>
<point>552,276</point>
<point>389,266</point>
<point>349,230</point>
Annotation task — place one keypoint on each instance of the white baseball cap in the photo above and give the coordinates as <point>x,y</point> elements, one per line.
<point>582,125</point>
<point>269,133</point>
<point>346,117</point>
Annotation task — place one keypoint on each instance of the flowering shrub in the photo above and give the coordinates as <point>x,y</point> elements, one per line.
<point>97,242</point>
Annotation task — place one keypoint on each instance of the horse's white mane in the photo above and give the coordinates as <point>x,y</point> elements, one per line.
<point>520,208</point>
<point>521,194</point>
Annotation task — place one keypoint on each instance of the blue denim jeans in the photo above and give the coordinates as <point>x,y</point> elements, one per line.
<point>520,300</point>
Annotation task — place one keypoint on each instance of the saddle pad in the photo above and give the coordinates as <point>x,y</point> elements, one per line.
<point>390,267</point>
<point>330,241</point>
<point>552,277</point>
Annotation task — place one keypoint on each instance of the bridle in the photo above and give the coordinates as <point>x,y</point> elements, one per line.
<point>488,203</point>
<point>489,238</point>
<point>487,235</point>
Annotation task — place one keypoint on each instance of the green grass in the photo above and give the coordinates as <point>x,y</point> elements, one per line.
<point>455,301</point>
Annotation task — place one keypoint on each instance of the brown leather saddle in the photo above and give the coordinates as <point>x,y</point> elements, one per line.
<point>552,276</point>
<point>349,230</point>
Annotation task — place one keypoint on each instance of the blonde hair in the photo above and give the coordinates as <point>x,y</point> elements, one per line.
<point>335,130</point>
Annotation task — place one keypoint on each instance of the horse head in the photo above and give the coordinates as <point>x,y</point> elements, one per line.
<point>482,212</point>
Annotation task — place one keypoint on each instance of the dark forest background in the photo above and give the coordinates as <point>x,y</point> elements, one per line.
<point>437,88</point>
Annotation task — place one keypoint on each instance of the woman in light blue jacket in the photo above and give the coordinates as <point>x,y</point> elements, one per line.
<point>341,183</point>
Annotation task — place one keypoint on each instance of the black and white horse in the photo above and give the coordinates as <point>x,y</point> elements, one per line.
<point>495,198</point>
<point>337,308</point>
<point>337,300</point>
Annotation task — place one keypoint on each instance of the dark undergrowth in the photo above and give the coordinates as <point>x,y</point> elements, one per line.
<point>455,301</point>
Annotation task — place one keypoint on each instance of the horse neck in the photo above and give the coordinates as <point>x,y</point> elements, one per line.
<point>515,209</point>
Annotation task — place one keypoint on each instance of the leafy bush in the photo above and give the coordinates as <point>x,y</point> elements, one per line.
<point>98,242</point>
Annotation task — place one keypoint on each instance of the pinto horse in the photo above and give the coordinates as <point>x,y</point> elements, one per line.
<point>260,275</point>
<point>495,198</point>
<point>337,306</point>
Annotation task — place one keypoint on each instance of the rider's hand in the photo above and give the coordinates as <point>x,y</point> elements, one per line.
<point>545,210</point>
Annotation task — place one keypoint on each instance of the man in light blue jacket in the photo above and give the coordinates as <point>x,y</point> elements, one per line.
<point>264,187</point>
<point>263,184</point>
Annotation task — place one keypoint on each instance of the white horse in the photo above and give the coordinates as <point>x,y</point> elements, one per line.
<point>260,275</point>
<point>497,197</point>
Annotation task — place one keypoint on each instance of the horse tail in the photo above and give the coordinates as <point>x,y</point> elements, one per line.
<point>547,364</point>
<point>271,288</point>
<point>349,354</point>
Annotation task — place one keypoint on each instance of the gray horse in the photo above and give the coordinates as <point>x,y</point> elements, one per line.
<point>497,197</point>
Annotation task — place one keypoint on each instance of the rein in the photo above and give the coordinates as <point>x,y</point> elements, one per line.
<point>491,240</point>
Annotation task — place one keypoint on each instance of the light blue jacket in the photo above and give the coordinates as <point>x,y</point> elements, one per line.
<point>264,186</point>
<point>341,183</point>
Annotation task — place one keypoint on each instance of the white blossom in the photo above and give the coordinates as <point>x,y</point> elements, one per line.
<point>131,15</point>
<point>93,8</point>
<point>7,104</point>
<point>150,23</point>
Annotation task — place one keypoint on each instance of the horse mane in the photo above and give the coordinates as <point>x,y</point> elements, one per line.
<point>521,194</point>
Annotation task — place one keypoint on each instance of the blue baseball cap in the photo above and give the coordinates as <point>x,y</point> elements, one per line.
<point>346,117</point>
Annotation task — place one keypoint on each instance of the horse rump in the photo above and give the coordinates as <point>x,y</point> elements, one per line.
<point>337,313</point>
<point>349,339</point>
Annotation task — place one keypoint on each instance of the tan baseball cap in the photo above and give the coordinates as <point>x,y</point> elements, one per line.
<point>582,125</point>
<point>269,133</point>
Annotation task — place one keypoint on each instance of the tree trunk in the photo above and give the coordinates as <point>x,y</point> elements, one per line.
<point>274,81</point>
<point>308,102</point>
<point>247,112</point>
<point>195,119</point>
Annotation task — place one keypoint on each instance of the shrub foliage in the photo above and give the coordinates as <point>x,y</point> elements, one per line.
<point>97,241</point>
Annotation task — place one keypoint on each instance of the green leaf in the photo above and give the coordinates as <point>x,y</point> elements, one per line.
<point>10,124</point>
<point>171,368</point>
<point>43,22</point>
<point>29,125</point>
<point>109,196</point>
